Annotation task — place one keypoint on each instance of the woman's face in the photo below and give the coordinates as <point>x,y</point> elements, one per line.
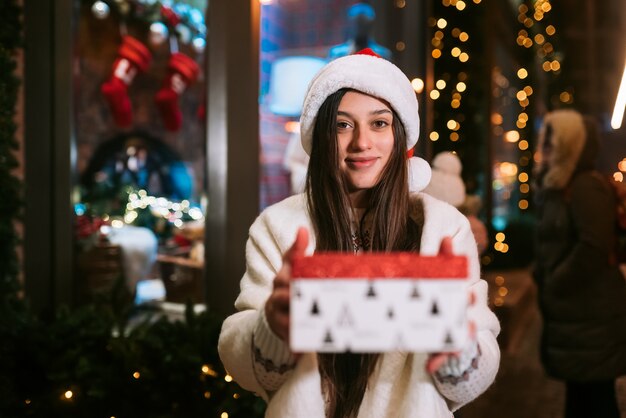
<point>365,140</point>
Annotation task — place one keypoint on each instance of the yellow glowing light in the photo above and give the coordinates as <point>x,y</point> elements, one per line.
<point>505,248</point>
<point>461,86</point>
<point>224,415</point>
<point>400,46</point>
<point>434,136</point>
<point>460,5</point>
<point>520,124</point>
<point>454,137</point>
<point>555,65</point>
<point>524,188</point>
<point>528,22</point>
<point>456,51</point>
<point>477,1</point>
<point>498,301</point>
<point>521,95</point>
<point>550,30</point>
<point>292,126</point>
<point>523,145</point>
<point>496,118</point>
<point>441,23</point>
<point>546,7</point>
<point>523,177</point>
<point>464,57</point>
<point>523,8</point>
<point>498,246</point>
<point>207,394</point>
<point>68,394</point>
<point>455,32</point>
<point>400,4</point>
<point>538,16</point>
<point>436,53</point>
<point>440,84</point>
<point>539,39</point>
<point>500,237</point>
<point>446,3</point>
<point>528,90</point>
<point>508,169</point>
<point>455,103</point>
<point>136,375</point>
<point>523,204</point>
<point>206,369</point>
<point>527,42</point>
<point>452,124</point>
<point>27,401</point>
<point>228,378</point>
<point>520,40</point>
<point>546,66</point>
<point>523,117</point>
<point>522,73</point>
<point>503,291</point>
<point>418,85</point>
<point>524,103</point>
<point>522,32</point>
<point>499,280</point>
<point>511,136</point>
<point>439,35</point>
<point>235,396</point>
<point>621,166</point>
<point>618,176</point>
<point>456,96</point>
<point>565,97</point>
<point>434,94</point>
<point>463,37</point>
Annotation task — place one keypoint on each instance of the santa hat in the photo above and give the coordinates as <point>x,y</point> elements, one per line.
<point>446,183</point>
<point>371,74</point>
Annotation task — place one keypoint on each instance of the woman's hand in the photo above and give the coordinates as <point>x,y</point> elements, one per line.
<point>277,305</point>
<point>437,360</point>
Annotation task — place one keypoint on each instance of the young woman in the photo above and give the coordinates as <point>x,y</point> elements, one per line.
<point>360,117</point>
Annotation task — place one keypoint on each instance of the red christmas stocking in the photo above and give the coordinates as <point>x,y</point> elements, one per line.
<point>182,71</point>
<point>132,57</point>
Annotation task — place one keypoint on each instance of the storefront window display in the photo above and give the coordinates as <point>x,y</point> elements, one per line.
<point>139,117</point>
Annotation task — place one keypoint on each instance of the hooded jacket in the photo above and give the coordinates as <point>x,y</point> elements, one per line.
<point>582,294</point>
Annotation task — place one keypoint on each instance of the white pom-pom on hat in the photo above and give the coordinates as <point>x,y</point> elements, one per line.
<point>419,174</point>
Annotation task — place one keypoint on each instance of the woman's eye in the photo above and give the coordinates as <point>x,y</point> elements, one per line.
<point>381,123</point>
<point>343,125</point>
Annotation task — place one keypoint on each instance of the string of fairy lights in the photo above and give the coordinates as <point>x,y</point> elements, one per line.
<point>70,393</point>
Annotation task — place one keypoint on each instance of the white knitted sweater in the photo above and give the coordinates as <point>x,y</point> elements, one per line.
<point>400,386</point>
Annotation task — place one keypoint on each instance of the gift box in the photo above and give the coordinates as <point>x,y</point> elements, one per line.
<point>378,302</point>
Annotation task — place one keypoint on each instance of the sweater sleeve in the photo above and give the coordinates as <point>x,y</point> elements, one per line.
<point>478,364</point>
<point>251,353</point>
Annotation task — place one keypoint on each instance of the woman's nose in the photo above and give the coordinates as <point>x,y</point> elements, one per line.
<point>361,140</point>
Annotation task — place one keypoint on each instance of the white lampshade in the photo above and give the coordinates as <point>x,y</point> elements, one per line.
<point>289,79</point>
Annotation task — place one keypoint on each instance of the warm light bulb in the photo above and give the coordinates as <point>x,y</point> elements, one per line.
<point>417,84</point>
<point>442,23</point>
<point>441,84</point>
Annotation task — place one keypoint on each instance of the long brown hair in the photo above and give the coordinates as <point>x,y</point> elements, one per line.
<point>345,375</point>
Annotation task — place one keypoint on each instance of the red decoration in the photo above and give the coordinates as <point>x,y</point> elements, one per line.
<point>183,71</point>
<point>132,57</point>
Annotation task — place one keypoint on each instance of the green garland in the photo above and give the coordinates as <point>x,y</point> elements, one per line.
<point>76,364</point>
